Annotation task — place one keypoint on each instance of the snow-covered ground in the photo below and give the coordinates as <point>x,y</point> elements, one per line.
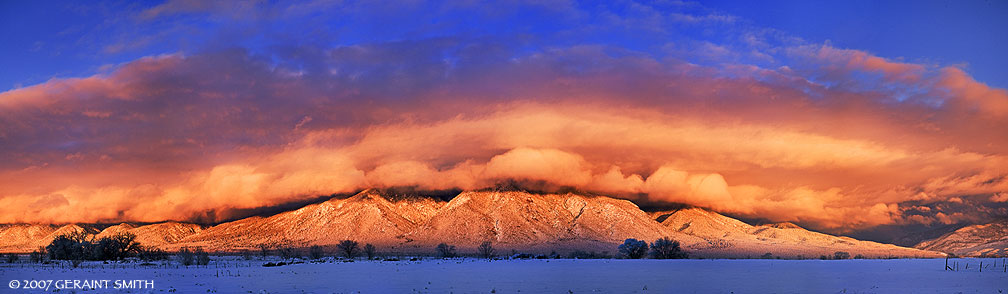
<point>232,275</point>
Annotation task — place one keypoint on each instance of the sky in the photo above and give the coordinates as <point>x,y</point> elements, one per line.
<point>841,117</point>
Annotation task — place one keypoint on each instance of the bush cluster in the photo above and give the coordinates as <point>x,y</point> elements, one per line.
<point>663,248</point>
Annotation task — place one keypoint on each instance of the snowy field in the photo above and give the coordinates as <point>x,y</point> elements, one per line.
<point>233,275</point>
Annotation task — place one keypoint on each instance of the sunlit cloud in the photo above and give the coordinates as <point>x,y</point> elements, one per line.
<point>832,138</point>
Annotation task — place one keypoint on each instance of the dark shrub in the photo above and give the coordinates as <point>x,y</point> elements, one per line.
<point>151,254</point>
<point>445,250</point>
<point>349,248</point>
<point>633,248</point>
<point>202,257</point>
<point>185,256</point>
<point>841,255</point>
<point>666,248</point>
<point>11,258</point>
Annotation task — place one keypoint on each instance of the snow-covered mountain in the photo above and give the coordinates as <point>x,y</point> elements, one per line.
<point>29,237</point>
<point>154,235</point>
<point>540,222</point>
<point>725,236</point>
<point>368,217</point>
<point>976,240</point>
<point>512,220</point>
<point>521,221</point>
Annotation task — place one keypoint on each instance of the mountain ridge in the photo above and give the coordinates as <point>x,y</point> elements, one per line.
<point>512,220</point>
<point>990,239</point>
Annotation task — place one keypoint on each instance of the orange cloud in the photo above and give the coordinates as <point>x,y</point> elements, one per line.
<point>174,137</point>
<point>985,100</point>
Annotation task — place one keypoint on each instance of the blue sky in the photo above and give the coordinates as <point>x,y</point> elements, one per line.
<point>54,39</point>
<point>968,33</point>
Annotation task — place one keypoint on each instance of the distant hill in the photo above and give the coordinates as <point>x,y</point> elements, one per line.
<point>976,240</point>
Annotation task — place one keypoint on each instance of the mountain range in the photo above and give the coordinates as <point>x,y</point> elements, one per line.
<point>512,220</point>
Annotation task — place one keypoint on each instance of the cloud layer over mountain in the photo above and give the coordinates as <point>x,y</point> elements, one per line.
<point>739,119</point>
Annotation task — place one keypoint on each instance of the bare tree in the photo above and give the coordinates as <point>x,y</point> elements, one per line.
<point>369,250</point>
<point>116,247</point>
<point>666,248</point>
<point>316,252</point>
<point>73,247</point>
<point>37,256</point>
<point>349,248</point>
<point>264,250</point>
<point>445,250</point>
<point>486,249</point>
<point>285,252</point>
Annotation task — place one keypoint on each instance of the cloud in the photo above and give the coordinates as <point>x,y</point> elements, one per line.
<point>977,96</point>
<point>183,135</point>
<point>946,87</point>
<point>549,165</point>
<point>856,60</point>
<point>836,138</point>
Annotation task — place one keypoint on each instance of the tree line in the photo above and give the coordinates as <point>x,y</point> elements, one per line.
<point>77,247</point>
